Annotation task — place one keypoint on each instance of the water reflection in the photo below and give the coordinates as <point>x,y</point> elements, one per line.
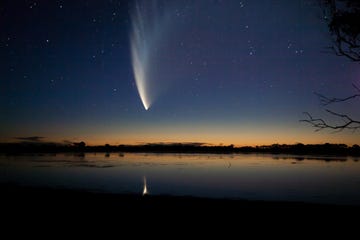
<point>145,191</point>
<point>309,157</point>
<point>248,176</point>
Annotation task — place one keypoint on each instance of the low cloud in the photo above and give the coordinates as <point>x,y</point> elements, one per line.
<point>30,139</point>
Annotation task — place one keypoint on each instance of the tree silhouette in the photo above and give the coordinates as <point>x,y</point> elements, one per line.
<point>343,18</point>
<point>80,145</point>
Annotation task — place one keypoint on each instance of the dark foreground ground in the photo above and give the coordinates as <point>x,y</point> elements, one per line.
<point>61,209</point>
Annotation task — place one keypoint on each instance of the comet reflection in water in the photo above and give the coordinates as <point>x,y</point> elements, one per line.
<point>147,27</point>
<point>145,191</point>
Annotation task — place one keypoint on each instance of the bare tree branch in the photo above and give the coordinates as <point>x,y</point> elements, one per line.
<point>324,100</point>
<point>346,121</point>
<point>320,124</point>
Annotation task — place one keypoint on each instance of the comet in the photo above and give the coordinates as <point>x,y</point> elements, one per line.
<point>140,72</point>
<point>146,28</point>
<point>152,26</point>
<point>145,191</point>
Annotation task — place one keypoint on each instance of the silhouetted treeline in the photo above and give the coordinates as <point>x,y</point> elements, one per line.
<point>300,149</point>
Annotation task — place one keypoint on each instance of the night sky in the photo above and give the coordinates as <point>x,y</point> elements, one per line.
<point>220,72</point>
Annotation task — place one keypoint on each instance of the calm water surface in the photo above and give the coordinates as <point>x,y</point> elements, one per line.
<point>260,177</point>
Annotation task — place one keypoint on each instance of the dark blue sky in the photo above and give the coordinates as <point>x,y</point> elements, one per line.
<point>237,72</point>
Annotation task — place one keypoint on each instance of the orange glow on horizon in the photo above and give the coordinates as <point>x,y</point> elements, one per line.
<point>211,140</point>
<point>211,135</point>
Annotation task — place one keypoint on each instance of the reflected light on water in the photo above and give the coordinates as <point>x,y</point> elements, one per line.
<point>240,176</point>
<point>145,191</point>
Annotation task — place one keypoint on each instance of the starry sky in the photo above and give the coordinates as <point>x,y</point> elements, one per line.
<point>225,72</point>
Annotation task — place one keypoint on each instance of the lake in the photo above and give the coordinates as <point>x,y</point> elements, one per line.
<point>238,176</point>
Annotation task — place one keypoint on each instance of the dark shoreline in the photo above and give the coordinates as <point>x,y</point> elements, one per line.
<point>26,195</point>
<point>295,149</point>
<point>37,207</point>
